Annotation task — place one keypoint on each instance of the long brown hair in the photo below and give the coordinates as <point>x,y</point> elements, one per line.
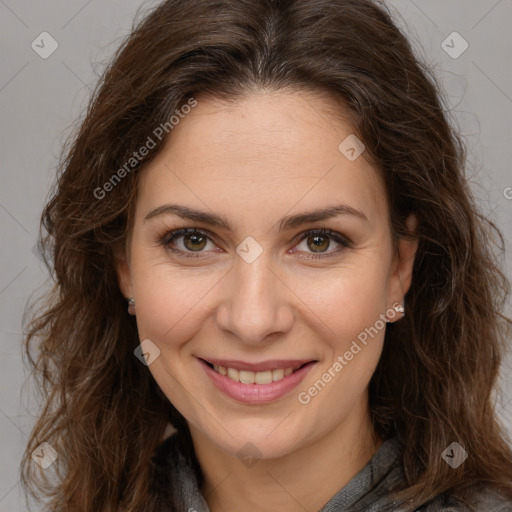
<point>103,412</point>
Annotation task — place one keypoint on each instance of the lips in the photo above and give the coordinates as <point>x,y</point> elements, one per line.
<point>273,364</point>
<point>254,392</point>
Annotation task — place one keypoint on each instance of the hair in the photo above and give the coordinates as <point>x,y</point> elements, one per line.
<point>103,412</point>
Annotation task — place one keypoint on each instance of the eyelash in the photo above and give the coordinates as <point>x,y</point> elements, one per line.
<point>170,236</point>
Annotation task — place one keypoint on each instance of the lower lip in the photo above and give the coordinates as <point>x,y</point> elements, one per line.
<point>257,393</point>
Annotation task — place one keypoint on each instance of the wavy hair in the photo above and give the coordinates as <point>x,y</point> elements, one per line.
<point>102,411</point>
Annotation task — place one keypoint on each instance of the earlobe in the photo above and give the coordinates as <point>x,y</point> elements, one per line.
<point>401,278</point>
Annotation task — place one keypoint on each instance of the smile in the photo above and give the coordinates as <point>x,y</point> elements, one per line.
<point>248,377</point>
<point>257,386</point>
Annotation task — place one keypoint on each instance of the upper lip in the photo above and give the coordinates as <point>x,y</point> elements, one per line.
<point>271,364</point>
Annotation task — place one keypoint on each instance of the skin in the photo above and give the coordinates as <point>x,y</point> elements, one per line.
<point>266,155</point>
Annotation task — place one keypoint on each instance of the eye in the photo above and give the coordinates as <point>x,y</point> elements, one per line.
<point>191,242</point>
<point>319,240</point>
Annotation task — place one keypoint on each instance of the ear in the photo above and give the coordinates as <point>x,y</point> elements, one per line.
<point>403,263</point>
<point>122,268</point>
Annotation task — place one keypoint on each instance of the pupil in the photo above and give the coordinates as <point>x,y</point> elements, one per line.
<point>317,241</point>
<point>195,240</point>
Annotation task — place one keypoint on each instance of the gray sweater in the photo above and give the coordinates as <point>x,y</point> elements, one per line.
<point>367,491</point>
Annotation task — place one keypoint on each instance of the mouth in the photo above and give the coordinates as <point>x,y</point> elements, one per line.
<point>274,380</point>
<point>256,377</point>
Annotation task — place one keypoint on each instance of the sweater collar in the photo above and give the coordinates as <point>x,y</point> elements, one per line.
<point>176,480</point>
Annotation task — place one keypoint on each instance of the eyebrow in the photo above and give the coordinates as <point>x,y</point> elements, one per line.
<point>287,222</point>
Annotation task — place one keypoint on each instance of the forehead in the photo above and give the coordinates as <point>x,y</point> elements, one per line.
<point>266,152</point>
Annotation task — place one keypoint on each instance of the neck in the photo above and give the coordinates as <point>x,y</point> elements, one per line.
<point>305,479</point>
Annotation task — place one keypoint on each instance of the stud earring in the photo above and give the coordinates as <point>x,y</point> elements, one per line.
<point>397,308</point>
<point>131,306</point>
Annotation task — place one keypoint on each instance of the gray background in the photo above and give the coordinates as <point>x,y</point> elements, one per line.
<point>40,99</point>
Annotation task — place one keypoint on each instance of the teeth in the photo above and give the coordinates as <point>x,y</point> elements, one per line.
<point>233,374</point>
<point>277,374</point>
<point>263,377</point>
<point>246,377</point>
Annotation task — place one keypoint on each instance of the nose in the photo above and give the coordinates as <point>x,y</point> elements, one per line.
<point>256,302</point>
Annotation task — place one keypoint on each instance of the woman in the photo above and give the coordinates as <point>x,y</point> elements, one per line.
<point>274,290</point>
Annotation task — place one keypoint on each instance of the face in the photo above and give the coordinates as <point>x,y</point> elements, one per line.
<point>259,281</point>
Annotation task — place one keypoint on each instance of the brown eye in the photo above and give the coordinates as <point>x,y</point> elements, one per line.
<point>195,241</point>
<point>315,242</point>
<point>191,242</point>
<point>318,243</point>
<point>187,242</point>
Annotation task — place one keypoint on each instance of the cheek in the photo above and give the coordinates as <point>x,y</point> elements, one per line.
<point>345,300</point>
<point>170,302</point>
<point>338,303</point>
